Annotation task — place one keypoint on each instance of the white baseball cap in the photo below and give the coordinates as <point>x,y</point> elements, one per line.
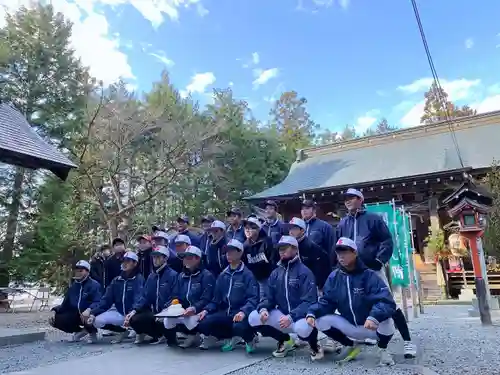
<point>217,224</point>
<point>182,238</point>
<point>83,264</point>
<point>235,244</point>
<point>252,220</point>
<point>355,193</point>
<point>131,255</point>
<point>298,223</point>
<point>160,234</point>
<point>288,241</point>
<point>161,250</point>
<point>191,250</point>
<point>344,243</point>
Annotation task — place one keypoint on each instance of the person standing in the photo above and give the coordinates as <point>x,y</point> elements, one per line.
<point>83,295</point>
<point>183,228</point>
<point>215,258</point>
<point>97,265</point>
<point>205,238</point>
<point>374,246</point>
<point>144,249</point>
<point>181,243</point>
<point>273,226</point>
<point>235,230</point>
<point>317,230</point>
<point>113,264</point>
<point>290,292</point>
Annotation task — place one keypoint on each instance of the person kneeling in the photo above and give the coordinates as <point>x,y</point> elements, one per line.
<point>290,292</point>
<point>156,294</point>
<point>364,302</point>
<point>83,295</point>
<point>194,290</point>
<point>236,295</point>
<point>124,292</point>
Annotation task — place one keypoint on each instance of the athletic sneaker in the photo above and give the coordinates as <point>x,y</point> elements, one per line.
<point>284,348</point>
<point>230,344</point>
<point>92,339</point>
<point>78,336</point>
<point>106,333</point>
<point>410,350</point>
<point>139,339</point>
<point>131,334</point>
<point>349,353</point>
<point>250,346</point>
<point>207,342</point>
<point>189,341</point>
<point>331,346</point>
<point>157,340</point>
<point>121,336</point>
<point>385,358</point>
<point>317,354</point>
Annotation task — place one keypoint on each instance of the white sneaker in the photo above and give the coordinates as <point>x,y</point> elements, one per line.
<point>189,341</point>
<point>284,348</point>
<point>92,339</point>
<point>207,342</point>
<point>131,334</point>
<point>119,339</point>
<point>385,358</point>
<point>78,336</point>
<point>410,350</point>
<point>317,355</point>
<point>139,339</point>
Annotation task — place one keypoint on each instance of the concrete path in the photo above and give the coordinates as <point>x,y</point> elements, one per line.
<point>13,336</point>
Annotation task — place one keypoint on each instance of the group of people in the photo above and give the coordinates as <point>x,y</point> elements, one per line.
<point>246,279</point>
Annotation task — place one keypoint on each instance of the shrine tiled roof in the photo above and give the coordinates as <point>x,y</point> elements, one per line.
<point>20,145</point>
<point>417,151</point>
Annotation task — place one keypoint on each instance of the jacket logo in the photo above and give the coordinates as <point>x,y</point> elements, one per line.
<point>260,257</point>
<point>359,290</point>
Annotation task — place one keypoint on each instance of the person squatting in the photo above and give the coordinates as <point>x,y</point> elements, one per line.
<point>237,282</point>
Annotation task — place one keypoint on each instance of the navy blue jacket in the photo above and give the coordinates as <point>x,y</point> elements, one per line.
<point>195,289</point>
<point>112,269</point>
<point>321,233</point>
<point>124,292</point>
<point>158,290</point>
<point>81,295</point>
<point>205,240</point>
<point>215,258</point>
<point>291,289</point>
<point>238,234</point>
<point>195,239</point>
<point>145,262</point>
<point>235,291</point>
<point>98,270</point>
<point>316,259</point>
<point>372,236</point>
<point>275,230</point>
<point>260,256</point>
<point>358,295</point>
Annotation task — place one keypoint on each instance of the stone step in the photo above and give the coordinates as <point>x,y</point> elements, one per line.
<point>13,336</point>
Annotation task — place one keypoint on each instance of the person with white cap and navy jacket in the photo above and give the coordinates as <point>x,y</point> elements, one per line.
<point>375,246</point>
<point>290,292</point>
<point>364,306</point>
<point>236,295</point>
<point>123,292</point>
<point>215,257</point>
<point>194,291</point>
<point>83,295</point>
<point>156,295</point>
<point>180,243</point>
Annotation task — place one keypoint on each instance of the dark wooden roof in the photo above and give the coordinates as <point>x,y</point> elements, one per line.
<point>417,151</point>
<point>20,145</point>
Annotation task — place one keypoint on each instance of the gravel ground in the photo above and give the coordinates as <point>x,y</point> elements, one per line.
<point>34,319</point>
<point>448,340</point>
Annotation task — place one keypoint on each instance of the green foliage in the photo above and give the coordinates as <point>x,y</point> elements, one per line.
<point>437,245</point>
<point>492,230</point>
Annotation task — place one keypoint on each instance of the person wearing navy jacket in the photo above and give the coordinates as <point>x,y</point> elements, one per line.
<point>317,230</point>
<point>364,303</point>
<point>215,257</point>
<point>273,226</point>
<point>206,237</point>
<point>123,292</point>
<point>156,295</point>
<point>194,290</point>
<point>183,228</point>
<point>181,242</point>
<point>83,295</point>
<point>375,246</point>
<point>290,292</point>
<point>113,264</point>
<point>235,230</point>
<point>144,249</point>
<point>236,295</point>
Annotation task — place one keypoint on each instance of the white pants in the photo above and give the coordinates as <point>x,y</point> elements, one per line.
<point>326,322</point>
<point>300,327</point>
<point>190,322</point>
<point>111,317</point>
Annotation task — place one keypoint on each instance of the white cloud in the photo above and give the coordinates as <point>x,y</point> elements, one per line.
<point>231,84</point>
<point>364,122</point>
<point>202,11</point>
<point>263,76</point>
<point>344,4</point>
<point>469,43</point>
<point>457,89</point>
<point>255,58</point>
<point>162,57</point>
<point>91,37</point>
<point>199,83</point>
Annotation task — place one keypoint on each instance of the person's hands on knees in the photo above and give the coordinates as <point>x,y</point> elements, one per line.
<point>371,325</point>
<point>264,315</point>
<point>285,321</point>
<point>202,314</point>
<point>239,317</point>
<point>311,321</point>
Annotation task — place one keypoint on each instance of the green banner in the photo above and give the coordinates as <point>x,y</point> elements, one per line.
<point>398,224</point>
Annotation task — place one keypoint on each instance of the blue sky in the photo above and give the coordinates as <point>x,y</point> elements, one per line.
<point>355,61</point>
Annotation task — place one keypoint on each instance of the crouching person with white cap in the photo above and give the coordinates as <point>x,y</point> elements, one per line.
<point>194,291</point>
<point>83,295</point>
<point>290,292</point>
<point>156,294</point>
<point>124,292</point>
<point>364,302</point>
<point>236,295</point>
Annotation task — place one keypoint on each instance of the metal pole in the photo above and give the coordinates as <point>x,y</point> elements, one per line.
<point>404,302</point>
<point>409,262</point>
<point>416,274</point>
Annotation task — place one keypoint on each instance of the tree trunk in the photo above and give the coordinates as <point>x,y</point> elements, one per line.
<point>112,229</point>
<point>12,219</point>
